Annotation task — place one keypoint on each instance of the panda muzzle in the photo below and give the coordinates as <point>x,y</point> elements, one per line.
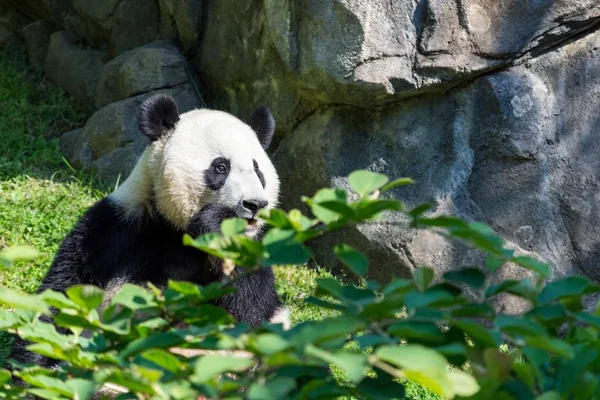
<point>248,209</point>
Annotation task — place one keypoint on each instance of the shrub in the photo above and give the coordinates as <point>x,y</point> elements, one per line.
<point>422,330</point>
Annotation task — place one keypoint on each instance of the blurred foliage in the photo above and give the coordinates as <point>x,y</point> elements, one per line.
<point>423,330</point>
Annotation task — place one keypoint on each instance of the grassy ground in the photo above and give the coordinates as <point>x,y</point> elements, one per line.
<point>41,197</point>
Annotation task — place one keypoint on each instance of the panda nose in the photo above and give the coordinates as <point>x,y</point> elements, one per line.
<point>254,205</point>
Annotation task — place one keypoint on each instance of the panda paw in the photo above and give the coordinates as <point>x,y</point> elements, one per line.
<point>209,219</point>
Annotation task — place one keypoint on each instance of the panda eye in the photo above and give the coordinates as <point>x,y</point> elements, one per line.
<point>221,168</point>
<point>255,166</point>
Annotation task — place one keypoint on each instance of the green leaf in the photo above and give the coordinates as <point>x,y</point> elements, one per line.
<point>477,332</point>
<point>163,359</point>
<point>368,340</point>
<point>549,396</point>
<point>417,212</point>
<point>117,319</point>
<point>566,287</point>
<point>330,286</point>
<point>159,340</point>
<point>353,364</point>
<point>48,382</point>
<point>417,330</point>
<point>275,217</point>
<point>87,296</point>
<point>280,248</point>
<point>474,310</point>
<point>353,259</point>
<point>15,254</point>
<point>233,226</point>
<point>551,345</point>
<point>429,369</point>
<point>275,388</point>
<point>534,265</point>
<point>494,262</point>
<point>58,300</point>
<point>522,288</point>
<point>342,209</point>
<point>498,363</point>
<point>463,384</point>
<point>5,376</point>
<point>381,389</point>
<point>373,208</point>
<point>209,366</point>
<point>451,349</point>
<point>569,372</point>
<point>324,304</point>
<point>45,394</point>
<point>472,277</point>
<point>315,332</point>
<point>423,277</point>
<point>185,288</point>
<point>20,301</point>
<point>398,286</point>
<point>525,373</point>
<point>326,195</point>
<point>519,326</point>
<point>134,297</point>
<point>365,182</point>
<point>270,343</point>
<point>554,314</point>
<point>84,388</point>
<point>397,183</point>
<point>434,297</point>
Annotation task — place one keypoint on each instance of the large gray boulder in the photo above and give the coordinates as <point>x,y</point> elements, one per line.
<point>154,66</point>
<point>516,149</point>
<point>370,52</point>
<point>181,20</point>
<point>74,67</point>
<point>134,23</point>
<point>37,38</point>
<point>110,142</point>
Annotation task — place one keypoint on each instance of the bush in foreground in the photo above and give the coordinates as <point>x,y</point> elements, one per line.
<point>421,330</point>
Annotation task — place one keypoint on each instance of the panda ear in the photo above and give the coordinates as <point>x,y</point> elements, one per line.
<point>157,116</point>
<point>263,124</point>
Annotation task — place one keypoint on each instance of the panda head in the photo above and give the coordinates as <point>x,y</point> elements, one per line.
<point>208,157</point>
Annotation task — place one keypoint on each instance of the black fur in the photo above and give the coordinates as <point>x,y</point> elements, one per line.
<point>263,123</point>
<point>157,116</point>
<point>104,245</point>
<point>213,178</point>
<point>259,173</point>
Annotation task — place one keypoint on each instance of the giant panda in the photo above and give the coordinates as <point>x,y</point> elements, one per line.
<point>199,168</point>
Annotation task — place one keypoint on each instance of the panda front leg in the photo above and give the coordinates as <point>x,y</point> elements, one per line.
<point>255,300</point>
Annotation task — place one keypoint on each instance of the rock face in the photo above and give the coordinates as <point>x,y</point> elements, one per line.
<point>371,52</point>
<point>74,67</point>
<point>492,106</point>
<point>37,38</point>
<point>154,66</point>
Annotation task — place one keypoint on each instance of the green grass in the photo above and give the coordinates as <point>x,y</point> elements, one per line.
<point>41,198</point>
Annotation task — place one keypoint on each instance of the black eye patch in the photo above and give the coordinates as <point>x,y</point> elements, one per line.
<point>260,175</point>
<point>216,175</point>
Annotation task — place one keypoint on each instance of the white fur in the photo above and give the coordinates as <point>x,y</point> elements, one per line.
<point>172,168</point>
<point>282,316</point>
